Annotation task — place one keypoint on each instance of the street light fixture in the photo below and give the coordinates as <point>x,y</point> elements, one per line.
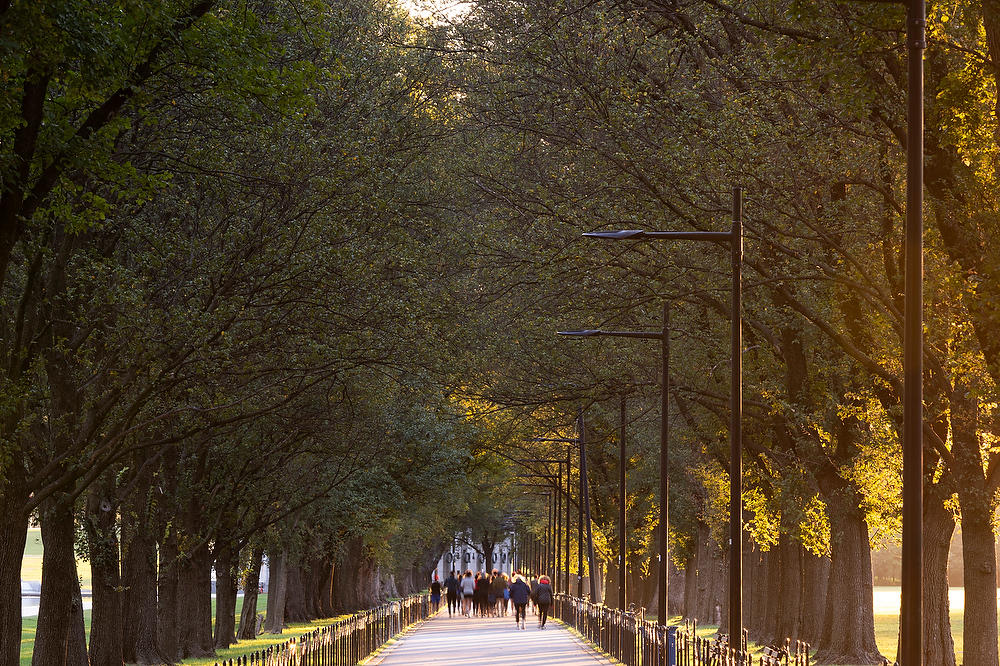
<point>734,239</point>
<point>581,506</point>
<point>559,527</point>
<point>664,337</point>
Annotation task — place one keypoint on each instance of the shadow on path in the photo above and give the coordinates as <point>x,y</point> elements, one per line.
<point>462,641</point>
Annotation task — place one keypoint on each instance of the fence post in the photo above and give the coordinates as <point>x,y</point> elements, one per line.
<point>672,646</point>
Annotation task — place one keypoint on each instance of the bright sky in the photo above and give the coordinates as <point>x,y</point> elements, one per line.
<point>441,9</point>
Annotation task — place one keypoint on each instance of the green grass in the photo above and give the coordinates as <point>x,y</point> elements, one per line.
<point>29,625</point>
<point>245,647</point>
<point>31,564</point>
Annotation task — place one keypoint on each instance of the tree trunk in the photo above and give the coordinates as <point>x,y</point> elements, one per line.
<point>775,605</point>
<point>295,600</point>
<point>13,530</point>
<point>166,596</point>
<point>60,637</point>
<point>815,581</point>
<point>314,587</point>
<point>274,623</point>
<point>355,584</point>
<point>248,615</point>
<point>139,632</point>
<point>939,526</point>
<point>675,590</point>
<point>978,539</point>
<point>225,597</point>
<point>611,584</point>
<point>788,623</point>
<point>326,590</point>
<point>848,635</point>
<point>756,599</point>
<point>106,624</point>
<point>194,604</point>
<point>690,584</point>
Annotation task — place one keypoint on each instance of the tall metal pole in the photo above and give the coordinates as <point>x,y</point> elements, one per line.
<point>569,453</point>
<point>557,534</point>
<point>661,606</point>
<point>591,558</point>
<point>579,512</point>
<point>549,533</point>
<point>911,621</point>
<point>622,534</point>
<point>736,433</point>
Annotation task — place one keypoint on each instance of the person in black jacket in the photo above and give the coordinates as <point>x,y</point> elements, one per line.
<point>451,590</point>
<point>519,594</point>
<point>542,596</point>
<point>435,594</point>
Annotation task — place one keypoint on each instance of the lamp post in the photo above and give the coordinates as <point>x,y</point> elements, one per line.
<point>569,453</point>
<point>622,533</point>
<point>734,239</point>
<point>583,506</point>
<point>911,622</point>
<point>559,520</point>
<point>664,337</point>
<point>544,550</point>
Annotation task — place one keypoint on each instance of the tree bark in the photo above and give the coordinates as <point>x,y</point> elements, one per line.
<point>690,584</point>
<point>106,626</point>
<point>788,623</point>
<point>355,584</point>
<point>225,597</point>
<point>775,605</point>
<point>140,643</point>
<point>939,526</point>
<point>295,600</point>
<point>815,581</point>
<point>326,590</point>
<point>13,530</point>
<point>274,623</point>
<point>848,635</point>
<point>60,637</point>
<point>166,596</point>
<point>978,539</point>
<point>248,614</point>
<point>194,604</point>
<point>757,599</point>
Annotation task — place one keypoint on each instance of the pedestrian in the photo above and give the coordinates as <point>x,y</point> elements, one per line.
<point>519,594</point>
<point>451,590</point>
<point>543,598</point>
<point>534,586</point>
<point>482,590</point>
<point>497,588</point>
<point>436,594</point>
<point>491,593</point>
<point>468,588</point>
<point>505,602</point>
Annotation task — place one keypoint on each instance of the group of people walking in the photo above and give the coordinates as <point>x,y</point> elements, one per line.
<point>491,595</point>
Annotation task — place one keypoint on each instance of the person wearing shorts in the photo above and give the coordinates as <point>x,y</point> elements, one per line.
<point>519,594</point>
<point>435,594</point>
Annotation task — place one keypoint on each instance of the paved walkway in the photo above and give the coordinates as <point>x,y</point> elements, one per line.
<point>462,641</point>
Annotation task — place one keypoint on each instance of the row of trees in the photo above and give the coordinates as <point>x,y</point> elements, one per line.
<point>276,277</point>
<point>227,283</point>
<point>643,115</point>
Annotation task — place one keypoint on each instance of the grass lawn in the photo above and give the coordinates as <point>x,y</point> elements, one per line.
<point>31,565</point>
<point>29,624</point>
<point>245,647</point>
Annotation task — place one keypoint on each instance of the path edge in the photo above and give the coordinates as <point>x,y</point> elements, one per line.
<point>605,658</point>
<point>379,655</point>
